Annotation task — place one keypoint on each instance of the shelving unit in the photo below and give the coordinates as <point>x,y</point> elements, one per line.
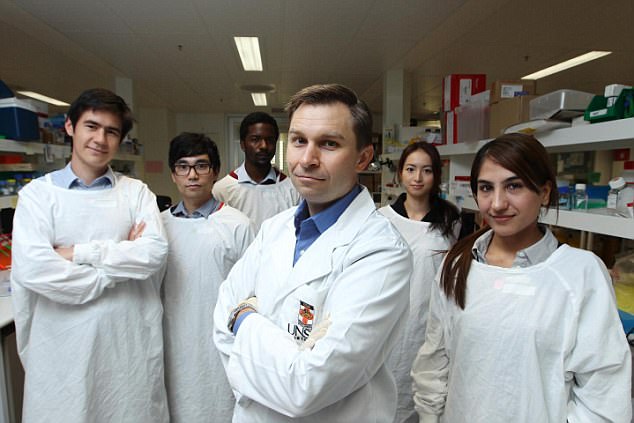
<point>55,152</point>
<point>600,136</point>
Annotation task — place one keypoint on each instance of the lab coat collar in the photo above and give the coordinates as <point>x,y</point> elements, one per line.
<point>316,262</point>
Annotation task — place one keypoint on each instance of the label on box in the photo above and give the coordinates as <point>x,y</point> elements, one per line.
<point>465,90</point>
<point>599,112</point>
<point>451,135</point>
<point>508,91</point>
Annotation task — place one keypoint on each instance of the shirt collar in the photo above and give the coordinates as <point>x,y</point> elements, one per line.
<point>325,218</point>
<point>68,179</point>
<point>203,211</point>
<point>534,254</point>
<point>243,176</point>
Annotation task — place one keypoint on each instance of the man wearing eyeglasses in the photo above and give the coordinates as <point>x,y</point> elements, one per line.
<point>206,237</point>
<point>257,188</point>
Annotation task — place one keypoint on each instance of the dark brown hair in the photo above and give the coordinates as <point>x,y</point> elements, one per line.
<point>527,158</point>
<point>335,93</point>
<point>448,211</point>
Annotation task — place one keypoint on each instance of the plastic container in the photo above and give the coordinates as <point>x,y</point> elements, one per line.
<point>603,108</point>
<point>580,198</point>
<point>616,185</point>
<point>565,199</point>
<point>18,120</point>
<point>560,105</point>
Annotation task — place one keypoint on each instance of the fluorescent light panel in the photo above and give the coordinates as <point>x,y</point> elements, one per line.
<point>43,98</point>
<point>259,99</point>
<point>575,61</point>
<point>249,50</point>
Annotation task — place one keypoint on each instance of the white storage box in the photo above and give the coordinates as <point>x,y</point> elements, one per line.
<point>560,105</point>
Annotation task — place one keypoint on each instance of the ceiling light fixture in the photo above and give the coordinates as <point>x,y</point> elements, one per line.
<point>43,98</point>
<point>575,61</point>
<point>249,51</point>
<point>259,99</point>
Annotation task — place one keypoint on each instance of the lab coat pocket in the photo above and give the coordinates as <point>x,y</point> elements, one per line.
<point>303,310</point>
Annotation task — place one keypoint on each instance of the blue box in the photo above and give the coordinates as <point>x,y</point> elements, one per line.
<point>18,120</point>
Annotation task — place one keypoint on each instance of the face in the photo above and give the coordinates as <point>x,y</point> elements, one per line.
<point>96,138</point>
<point>259,144</point>
<point>508,205</point>
<point>417,175</point>
<point>322,154</point>
<point>195,188</point>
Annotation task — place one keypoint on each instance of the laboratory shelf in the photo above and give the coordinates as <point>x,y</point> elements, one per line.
<point>595,222</point>
<point>30,148</point>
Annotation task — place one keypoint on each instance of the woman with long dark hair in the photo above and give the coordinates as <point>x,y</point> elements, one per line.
<point>430,225</point>
<point>521,328</point>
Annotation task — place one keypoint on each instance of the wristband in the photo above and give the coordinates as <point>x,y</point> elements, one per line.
<point>234,313</point>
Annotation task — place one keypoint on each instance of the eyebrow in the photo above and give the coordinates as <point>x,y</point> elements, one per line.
<point>333,134</point>
<point>507,180</point>
<point>110,128</point>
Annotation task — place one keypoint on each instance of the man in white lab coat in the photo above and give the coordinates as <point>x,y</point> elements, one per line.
<point>306,319</point>
<point>256,188</point>
<point>206,237</point>
<point>88,246</point>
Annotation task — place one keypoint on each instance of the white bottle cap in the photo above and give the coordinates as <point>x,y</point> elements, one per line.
<point>580,186</point>
<point>617,183</point>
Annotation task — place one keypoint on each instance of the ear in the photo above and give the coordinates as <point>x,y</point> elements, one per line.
<point>364,158</point>
<point>242,145</point>
<point>173,176</point>
<point>545,195</point>
<point>68,125</point>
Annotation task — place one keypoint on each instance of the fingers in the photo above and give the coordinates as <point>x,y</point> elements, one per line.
<point>136,231</point>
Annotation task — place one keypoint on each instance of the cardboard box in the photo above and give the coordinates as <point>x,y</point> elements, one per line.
<point>503,90</point>
<point>508,112</point>
<point>456,89</point>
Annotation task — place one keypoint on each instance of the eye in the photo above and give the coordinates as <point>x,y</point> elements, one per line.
<point>331,144</point>
<point>202,167</point>
<point>484,188</point>
<point>428,171</point>
<point>297,141</point>
<point>514,186</point>
<point>409,169</point>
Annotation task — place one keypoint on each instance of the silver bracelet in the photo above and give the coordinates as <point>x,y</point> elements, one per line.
<point>235,312</point>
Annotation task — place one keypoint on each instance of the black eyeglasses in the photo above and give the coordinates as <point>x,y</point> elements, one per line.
<point>183,169</point>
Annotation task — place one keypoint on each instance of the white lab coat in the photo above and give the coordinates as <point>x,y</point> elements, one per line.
<point>428,249</point>
<point>536,344</point>
<point>201,253</point>
<point>356,272</point>
<point>258,202</point>
<point>89,331</point>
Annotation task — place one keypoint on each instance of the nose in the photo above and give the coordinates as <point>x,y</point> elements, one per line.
<point>418,176</point>
<point>499,201</point>
<point>192,174</point>
<point>99,136</point>
<point>310,156</point>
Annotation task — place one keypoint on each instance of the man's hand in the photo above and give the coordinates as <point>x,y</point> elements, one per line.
<point>136,231</point>
<point>318,332</point>
<point>66,252</point>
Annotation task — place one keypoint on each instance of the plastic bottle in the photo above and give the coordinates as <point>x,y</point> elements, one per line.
<point>4,190</point>
<point>626,198</point>
<point>564,198</point>
<point>444,190</point>
<point>11,186</point>
<point>616,185</point>
<point>581,198</point>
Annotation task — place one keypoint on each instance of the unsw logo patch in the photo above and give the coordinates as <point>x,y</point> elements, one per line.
<point>304,325</point>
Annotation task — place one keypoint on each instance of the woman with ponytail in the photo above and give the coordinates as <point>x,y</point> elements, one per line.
<point>430,225</point>
<point>521,328</point>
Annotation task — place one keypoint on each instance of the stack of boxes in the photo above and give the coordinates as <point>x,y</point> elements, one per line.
<point>458,91</point>
<point>509,104</point>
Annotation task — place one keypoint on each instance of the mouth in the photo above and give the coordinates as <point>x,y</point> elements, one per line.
<point>308,178</point>
<point>97,150</point>
<point>501,218</point>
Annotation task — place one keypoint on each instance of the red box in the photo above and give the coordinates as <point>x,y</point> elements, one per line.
<point>456,89</point>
